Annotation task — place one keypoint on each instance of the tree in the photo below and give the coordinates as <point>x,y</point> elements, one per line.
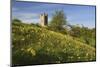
<point>58,20</point>
<point>85,34</point>
<point>16,20</point>
<point>75,30</point>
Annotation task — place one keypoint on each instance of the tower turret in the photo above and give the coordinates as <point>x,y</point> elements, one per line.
<point>43,19</point>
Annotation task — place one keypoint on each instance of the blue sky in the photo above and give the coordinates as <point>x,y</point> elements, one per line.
<point>76,14</point>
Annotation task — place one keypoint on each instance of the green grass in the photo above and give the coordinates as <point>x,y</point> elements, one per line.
<point>37,45</point>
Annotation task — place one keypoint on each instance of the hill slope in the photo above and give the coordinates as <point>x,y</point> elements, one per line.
<point>37,45</point>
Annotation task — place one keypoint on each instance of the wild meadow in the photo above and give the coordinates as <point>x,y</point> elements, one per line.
<point>33,44</point>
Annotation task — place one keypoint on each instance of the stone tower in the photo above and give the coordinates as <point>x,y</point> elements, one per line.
<point>43,19</point>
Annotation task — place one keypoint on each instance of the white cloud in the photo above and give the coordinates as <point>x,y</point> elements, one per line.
<point>14,9</point>
<point>26,17</point>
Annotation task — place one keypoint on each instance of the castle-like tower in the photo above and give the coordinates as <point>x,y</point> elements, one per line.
<point>44,19</point>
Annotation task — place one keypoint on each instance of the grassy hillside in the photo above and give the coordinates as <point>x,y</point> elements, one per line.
<point>37,45</point>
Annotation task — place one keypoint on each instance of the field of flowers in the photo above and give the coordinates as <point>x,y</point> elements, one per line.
<point>32,44</point>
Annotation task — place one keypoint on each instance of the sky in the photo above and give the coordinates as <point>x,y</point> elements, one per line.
<point>29,12</point>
